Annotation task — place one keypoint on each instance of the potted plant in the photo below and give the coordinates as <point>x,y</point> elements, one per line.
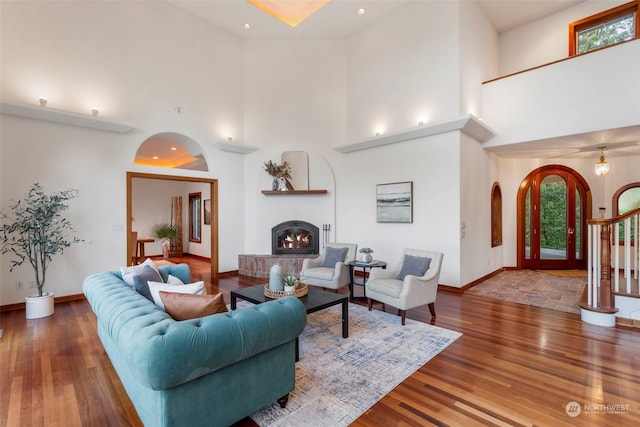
<point>166,233</point>
<point>279,173</point>
<point>34,230</point>
<point>367,257</point>
<point>290,282</point>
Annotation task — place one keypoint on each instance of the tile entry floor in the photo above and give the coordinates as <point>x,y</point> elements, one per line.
<point>533,287</point>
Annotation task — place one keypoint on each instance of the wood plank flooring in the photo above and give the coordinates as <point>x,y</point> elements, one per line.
<point>515,365</point>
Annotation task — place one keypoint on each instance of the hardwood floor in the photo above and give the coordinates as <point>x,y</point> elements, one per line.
<point>514,365</point>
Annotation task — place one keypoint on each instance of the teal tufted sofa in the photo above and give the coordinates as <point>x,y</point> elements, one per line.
<point>210,371</point>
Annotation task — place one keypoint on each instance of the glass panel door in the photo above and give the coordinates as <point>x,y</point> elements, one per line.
<point>553,218</point>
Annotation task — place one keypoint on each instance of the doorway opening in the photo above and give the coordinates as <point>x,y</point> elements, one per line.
<point>554,204</point>
<point>213,191</point>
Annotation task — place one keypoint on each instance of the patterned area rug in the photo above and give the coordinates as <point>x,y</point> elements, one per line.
<point>337,379</point>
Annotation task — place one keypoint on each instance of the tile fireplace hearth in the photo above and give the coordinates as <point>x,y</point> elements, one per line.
<point>259,265</point>
<point>291,242</point>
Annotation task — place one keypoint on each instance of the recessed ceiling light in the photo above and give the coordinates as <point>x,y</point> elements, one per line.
<point>174,148</point>
<point>246,26</point>
<point>361,11</point>
<point>155,157</point>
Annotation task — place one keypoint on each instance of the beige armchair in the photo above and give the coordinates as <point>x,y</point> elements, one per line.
<point>331,269</point>
<point>413,283</point>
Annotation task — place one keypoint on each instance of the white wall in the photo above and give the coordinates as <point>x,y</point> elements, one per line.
<point>136,61</point>
<point>478,56</point>
<point>295,97</point>
<point>434,167</point>
<point>592,92</point>
<point>545,40</point>
<point>403,69</point>
<point>477,175</point>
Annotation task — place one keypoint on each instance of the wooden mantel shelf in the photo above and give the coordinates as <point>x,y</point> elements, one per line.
<point>291,192</point>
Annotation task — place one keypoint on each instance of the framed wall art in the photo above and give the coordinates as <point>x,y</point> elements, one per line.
<point>394,202</point>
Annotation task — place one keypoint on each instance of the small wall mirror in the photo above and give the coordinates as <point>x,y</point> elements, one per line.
<point>299,162</point>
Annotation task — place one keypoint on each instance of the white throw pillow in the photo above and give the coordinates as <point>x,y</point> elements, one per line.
<point>129,272</point>
<point>196,288</point>
<point>173,280</point>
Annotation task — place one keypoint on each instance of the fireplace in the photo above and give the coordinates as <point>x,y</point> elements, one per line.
<point>295,237</point>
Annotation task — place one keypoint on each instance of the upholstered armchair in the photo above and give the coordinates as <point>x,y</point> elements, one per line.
<point>331,269</point>
<point>412,283</point>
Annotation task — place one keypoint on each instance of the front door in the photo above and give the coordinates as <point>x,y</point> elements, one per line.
<point>553,204</point>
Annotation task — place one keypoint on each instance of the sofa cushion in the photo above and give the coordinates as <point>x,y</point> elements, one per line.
<point>322,273</point>
<point>414,266</point>
<point>142,279</point>
<point>129,272</point>
<point>196,288</point>
<point>388,287</point>
<point>187,306</point>
<point>173,280</point>
<point>334,255</point>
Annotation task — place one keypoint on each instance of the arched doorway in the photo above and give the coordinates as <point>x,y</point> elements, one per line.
<point>554,203</point>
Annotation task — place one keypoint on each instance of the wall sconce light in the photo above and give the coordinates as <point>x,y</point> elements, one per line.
<point>602,167</point>
<point>43,101</point>
<point>94,111</point>
<point>602,211</point>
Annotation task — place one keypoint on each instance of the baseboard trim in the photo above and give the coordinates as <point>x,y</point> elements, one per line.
<point>56,300</point>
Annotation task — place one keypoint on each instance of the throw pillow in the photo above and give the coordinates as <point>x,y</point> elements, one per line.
<point>173,280</point>
<point>141,281</point>
<point>414,266</point>
<point>196,288</point>
<point>129,272</point>
<point>334,255</point>
<point>185,306</point>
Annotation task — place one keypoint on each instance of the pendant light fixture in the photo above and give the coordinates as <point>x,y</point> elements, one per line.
<point>602,167</point>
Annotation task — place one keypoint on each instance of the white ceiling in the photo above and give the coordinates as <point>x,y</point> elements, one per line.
<point>339,19</point>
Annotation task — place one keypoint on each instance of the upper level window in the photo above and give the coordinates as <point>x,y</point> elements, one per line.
<point>604,29</point>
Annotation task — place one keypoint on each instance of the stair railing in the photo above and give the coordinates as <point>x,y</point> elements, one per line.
<point>599,265</point>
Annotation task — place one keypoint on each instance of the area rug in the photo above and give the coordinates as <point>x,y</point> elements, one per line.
<point>337,379</point>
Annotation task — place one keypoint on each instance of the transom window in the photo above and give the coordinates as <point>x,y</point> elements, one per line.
<point>604,29</point>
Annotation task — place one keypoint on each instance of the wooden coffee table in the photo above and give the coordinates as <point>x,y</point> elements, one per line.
<point>315,300</point>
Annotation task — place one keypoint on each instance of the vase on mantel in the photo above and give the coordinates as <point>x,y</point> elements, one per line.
<point>282,184</point>
<point>274,184</point>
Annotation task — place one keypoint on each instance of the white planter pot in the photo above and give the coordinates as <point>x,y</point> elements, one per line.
<point>38,307</point>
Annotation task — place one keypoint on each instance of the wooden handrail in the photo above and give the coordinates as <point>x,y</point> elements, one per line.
<point>601,296</point>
